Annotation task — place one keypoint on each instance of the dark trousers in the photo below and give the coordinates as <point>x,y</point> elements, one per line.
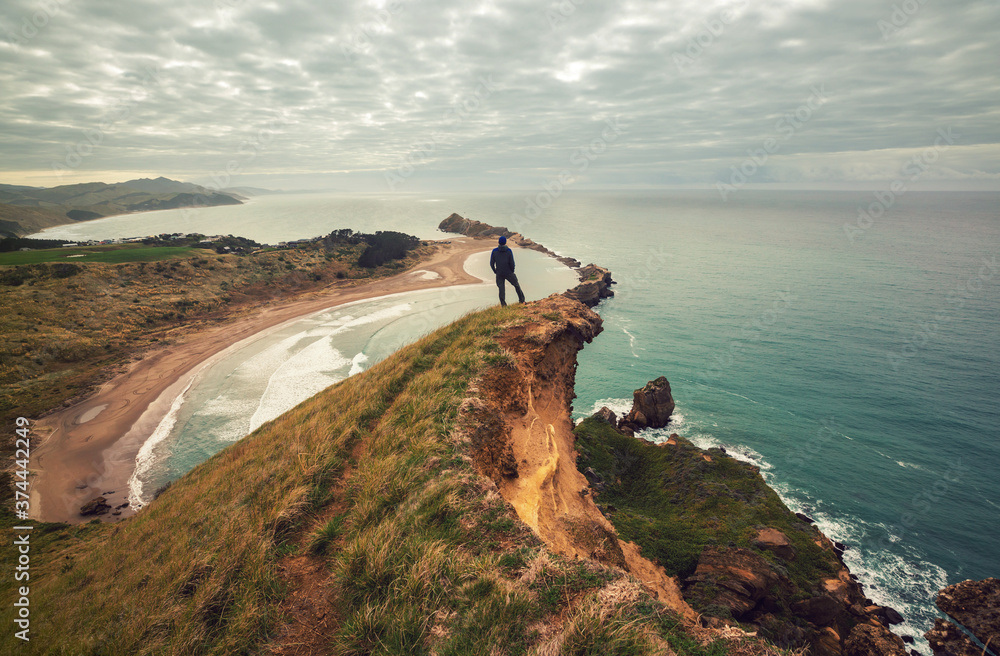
<point>501,278</point>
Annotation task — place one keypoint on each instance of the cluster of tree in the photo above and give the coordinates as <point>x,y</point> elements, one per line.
<point>220,244</point>
<point>8,244</point>
<point>383,246</point>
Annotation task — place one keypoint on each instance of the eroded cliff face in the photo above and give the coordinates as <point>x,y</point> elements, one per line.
<point>522,433</point>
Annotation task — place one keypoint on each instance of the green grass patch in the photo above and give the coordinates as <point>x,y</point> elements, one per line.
<point>674,503</point>
<point>111,254</point>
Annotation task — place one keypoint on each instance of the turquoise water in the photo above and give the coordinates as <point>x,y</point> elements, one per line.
<point>858,368</point>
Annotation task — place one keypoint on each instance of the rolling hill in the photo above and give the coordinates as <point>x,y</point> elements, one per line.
<point>26,210</point>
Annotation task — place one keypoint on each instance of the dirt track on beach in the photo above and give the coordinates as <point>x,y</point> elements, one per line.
<point>89,449</point>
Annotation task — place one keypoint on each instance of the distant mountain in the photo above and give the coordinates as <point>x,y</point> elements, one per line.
<point>19,221</point>
<point>163,185</point>
<point>25,210</point>
<point>249,191</point>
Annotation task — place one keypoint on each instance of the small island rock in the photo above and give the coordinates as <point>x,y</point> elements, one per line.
<point>651,406</point>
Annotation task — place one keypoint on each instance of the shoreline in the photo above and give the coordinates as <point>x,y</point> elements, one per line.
<point>142,434</point>
<point>90,448</point>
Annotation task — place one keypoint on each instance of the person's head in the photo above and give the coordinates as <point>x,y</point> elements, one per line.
<point>503,240</point>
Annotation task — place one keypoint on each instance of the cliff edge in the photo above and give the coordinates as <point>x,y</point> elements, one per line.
<point>524,442</point>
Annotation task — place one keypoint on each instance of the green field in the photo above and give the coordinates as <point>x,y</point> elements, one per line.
<point>112,254</point>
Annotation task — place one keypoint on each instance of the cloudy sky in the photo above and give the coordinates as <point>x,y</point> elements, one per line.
<point>447,94</point>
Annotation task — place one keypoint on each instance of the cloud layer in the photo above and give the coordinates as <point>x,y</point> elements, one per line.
<point>492,94</point>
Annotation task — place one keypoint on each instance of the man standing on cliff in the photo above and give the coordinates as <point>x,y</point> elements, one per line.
<point>502,263</point>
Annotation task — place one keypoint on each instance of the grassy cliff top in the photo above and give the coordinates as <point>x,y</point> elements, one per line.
<point>353,524</point>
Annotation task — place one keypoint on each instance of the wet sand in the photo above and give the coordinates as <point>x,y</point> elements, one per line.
<point>89,449</point>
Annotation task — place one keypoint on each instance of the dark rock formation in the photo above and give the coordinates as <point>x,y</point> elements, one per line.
<point>606,415</point>
<point>974,605</point>
<point>873,640</point>
<point>594,479</point>
<point>821,610</point>
<point>736,579</point>
<point>595,285</point>
<point>96,506</point>
<point>651,406</point>
<point>885,615</point>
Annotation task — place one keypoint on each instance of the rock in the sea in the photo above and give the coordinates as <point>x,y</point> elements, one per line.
<point>651,406</point>
<point>773,540</point>
<point>607,415</point>
<point>892,616</point>
<point>96,506</point>
<point>946,639</point>
<point>805,518</point>
<point>873,640</point>
<point>884,614</point>
<point>595,285</point>
<point>976,606</point>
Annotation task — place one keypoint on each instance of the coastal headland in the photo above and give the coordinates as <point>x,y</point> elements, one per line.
<point>403,479</point>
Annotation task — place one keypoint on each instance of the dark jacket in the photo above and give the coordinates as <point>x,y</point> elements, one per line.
<point>502,261</point>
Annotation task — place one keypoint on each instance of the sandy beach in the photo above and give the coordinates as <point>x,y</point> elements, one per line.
<point>89,449</point>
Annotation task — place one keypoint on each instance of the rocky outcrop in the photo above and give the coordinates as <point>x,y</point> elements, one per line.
<point>946,639</point>
<point>595,286</point>
<point>607,415</point>
<point>873,640</point>
<point>737,579</point>
<point>520,415</point>
<point>96,506</point>
<point>479,230</point>
<point>773,540</point>
<point>460,225</point>
<point>974,605</point>
<point>651,407</point>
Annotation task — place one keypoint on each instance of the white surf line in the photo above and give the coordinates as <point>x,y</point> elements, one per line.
<point>279,377</point>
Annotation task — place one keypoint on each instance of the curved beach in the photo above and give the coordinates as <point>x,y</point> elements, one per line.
<point>89,449</point>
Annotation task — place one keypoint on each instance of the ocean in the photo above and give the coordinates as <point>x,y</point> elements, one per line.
<point>845,342</point>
